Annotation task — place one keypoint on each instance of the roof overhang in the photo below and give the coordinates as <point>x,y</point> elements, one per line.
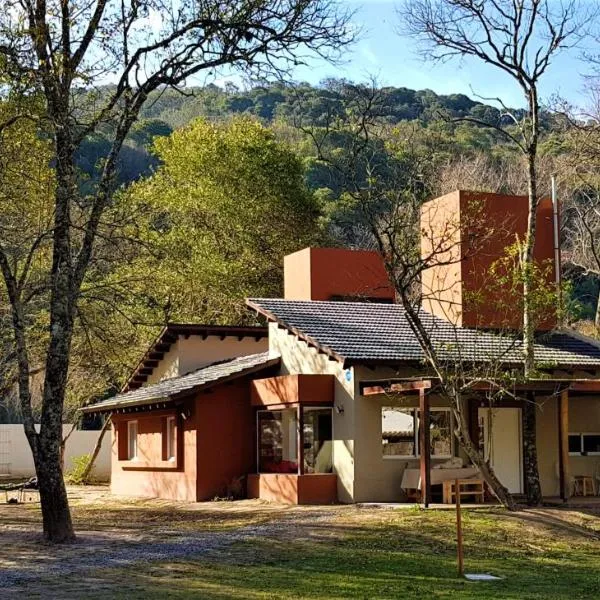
<point>122,404</point>
<point>171,333</point>
<point>299,334</point>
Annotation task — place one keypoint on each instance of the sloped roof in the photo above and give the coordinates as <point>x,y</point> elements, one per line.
<point>355,332</point>
<point>177,387</point>
<point>169,335</point>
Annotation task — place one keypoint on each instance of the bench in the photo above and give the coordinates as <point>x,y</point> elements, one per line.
<point>466,487</point>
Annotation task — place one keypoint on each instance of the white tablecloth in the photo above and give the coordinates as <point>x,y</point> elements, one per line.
<point>411,480</point>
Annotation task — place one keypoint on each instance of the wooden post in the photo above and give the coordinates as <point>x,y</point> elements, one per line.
<point>459,535</point>
<point>300,452</point>
<point>425,449</point>
<point>563,444</point>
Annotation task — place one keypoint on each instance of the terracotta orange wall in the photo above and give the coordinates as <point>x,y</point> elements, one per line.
<point>153,477</point>
<point>508,215</point>
<point>293,489</point>
<point>226,449</point>
<point>291,389</point>
<point>466,292</point>
<point>323,273</point>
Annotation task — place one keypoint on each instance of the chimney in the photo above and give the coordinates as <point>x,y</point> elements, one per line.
<point>466,233</point>
<point>336,274</point>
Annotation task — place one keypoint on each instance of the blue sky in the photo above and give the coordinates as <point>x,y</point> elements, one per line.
<point>382,52</point>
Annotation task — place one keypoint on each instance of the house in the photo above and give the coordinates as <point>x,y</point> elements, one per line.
<point>325,403</point>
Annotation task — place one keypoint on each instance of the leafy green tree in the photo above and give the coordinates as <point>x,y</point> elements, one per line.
<point>226,204</point>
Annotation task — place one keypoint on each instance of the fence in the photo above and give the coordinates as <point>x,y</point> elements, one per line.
<point>16,459</point>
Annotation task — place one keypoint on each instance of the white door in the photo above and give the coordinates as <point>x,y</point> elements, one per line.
<point>504,446</point>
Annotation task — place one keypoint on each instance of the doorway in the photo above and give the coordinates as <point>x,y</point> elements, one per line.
<point>504,447</point>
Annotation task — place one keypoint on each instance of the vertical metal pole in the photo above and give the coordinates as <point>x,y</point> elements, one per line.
<point>556,227</point>
<point>459,535</point>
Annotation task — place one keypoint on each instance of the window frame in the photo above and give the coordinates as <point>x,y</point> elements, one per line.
<point>581,435</point>
<point>296,409</point>
<point>417,423</point>
<point>130,438</point>
<point>310,408</point>
<point>171,439</point>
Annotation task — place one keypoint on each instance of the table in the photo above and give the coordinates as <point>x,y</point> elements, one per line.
<point>411,479</point>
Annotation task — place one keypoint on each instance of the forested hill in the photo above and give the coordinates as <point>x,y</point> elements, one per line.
<point>170,109</point>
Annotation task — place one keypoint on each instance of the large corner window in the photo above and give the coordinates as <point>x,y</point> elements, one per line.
<point>277,441</point>
<point>132,440</point>
<point>400,432</point>
<point>317,439</point>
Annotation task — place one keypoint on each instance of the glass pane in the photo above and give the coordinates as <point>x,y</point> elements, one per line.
<point>132,439</point>
<point>440,424</point>
<point>398,431</point>
<point>278,441</point>
<point>171,438</point>
<point>591,443</point>
<point>574,443</point>
<point>318,445</point>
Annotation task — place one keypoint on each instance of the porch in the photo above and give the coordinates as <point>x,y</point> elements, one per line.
<point>567,426</point>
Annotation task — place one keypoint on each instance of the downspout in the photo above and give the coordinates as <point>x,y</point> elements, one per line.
<point>557,267</point>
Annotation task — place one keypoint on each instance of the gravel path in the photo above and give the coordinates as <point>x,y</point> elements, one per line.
<point>97,550</point>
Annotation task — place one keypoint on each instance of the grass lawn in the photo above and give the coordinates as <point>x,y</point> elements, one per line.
<point>375,553</point>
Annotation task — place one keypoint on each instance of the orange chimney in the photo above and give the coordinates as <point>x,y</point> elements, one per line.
<point>463,234</point>
<point>336,274</point>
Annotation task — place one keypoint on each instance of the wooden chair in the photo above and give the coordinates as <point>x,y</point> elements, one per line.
<point>466,487</point>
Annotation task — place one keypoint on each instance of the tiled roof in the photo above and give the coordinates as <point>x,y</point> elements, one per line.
<point>176,387</point>
<point>356,332</point>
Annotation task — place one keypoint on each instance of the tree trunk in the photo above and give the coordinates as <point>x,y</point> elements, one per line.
<point>56,517</point>
<point>530,460</point>
<point>476,457</point>
<point>85,475</point>
<point>597,318</point>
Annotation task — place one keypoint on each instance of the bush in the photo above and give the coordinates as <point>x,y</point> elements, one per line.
<point>79,465</point>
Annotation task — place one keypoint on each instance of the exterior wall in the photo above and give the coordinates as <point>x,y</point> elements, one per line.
<point>293,389</point>
<point>378,479</point>
<point>16,459</point>
<point>168,367</point>
<point>189,354</point>
<point>151,476</point>
<point>464,292</point>
<point>323,273</point>
<point>293,489</point>
<point>298,357</point>
<point>226,441</point>
<point>195,352</point>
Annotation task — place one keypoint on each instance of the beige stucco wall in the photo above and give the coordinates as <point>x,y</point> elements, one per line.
<point>16,459</point>
<point>188,354</point>
<point>299,357</point>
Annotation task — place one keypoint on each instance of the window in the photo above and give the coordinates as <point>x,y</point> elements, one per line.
<point>277,441</point>
<point>400,432</point>
<point>574,443</point>
<point>584,444</point>
<point>317,440</point>
<point>171,436</point>
<point>132,442</point>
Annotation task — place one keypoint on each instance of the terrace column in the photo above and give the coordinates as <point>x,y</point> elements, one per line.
<point>424,448</point>
<point>563,444</point>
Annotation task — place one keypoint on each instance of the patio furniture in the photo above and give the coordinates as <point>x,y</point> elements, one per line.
<point>411,479</point>
<point>583,485</point>
<point>22,488</point>
<point>466,487</point>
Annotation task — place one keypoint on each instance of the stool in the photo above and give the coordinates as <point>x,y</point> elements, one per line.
<point>583,485</point>
<point>466,487</point>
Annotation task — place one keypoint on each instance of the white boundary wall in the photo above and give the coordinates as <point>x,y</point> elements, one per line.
<point>16,459</point>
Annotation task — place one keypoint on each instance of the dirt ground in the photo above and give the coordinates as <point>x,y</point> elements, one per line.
<point>119,533</point>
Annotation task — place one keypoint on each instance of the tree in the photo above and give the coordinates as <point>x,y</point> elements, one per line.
<point>519,39</point>
<point>226,204</point>
<point>63,49</point>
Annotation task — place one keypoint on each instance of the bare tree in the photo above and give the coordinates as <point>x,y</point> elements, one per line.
<point>94,63</point>
<point>390,194</point>
<point>519,39</point>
